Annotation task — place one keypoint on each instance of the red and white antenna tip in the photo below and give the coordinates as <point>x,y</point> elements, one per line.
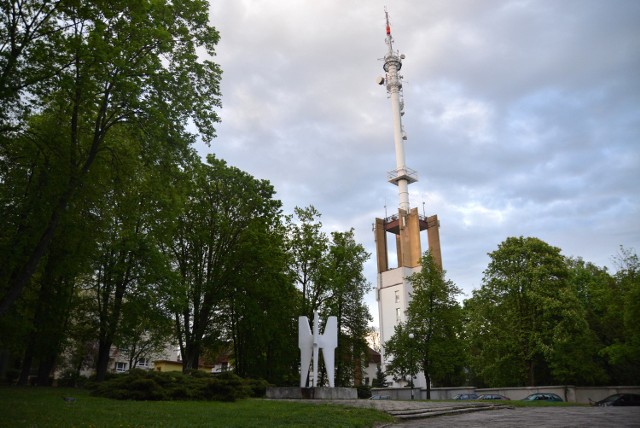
<point>386,14</point>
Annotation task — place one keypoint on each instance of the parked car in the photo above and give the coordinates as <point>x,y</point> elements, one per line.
<point>493,397</point>
<point>626,399</point>
<point>380,397</point>
<point>543,396</point>
<point>469,396</point>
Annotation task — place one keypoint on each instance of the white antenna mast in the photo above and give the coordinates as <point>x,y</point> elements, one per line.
<point>401,176</point>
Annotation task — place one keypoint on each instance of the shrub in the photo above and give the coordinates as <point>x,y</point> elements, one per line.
<point>258,387</point>
<point>71,379</point>
<point>11,375</point>
<point>150,385</point>
<point>364,391</point>
<point>226,387</point>
<point>135,385</point>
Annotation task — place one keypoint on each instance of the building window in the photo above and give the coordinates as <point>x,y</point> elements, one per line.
<point>121,367</point>
<point>144,363</point>
<point>398,315</point>
<point>397,296</point>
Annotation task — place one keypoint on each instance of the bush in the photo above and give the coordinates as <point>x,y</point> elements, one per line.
<point>151,386</point>
<point>135,385</point>
<point>258,387</point>
<point>11,375</point>
<point>226,387</point>
<point>71,379</point>
<point>364,391</point>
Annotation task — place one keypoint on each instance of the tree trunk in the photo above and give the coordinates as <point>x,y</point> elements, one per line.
<point>192,355</point>
<point>45,368</point>
<point>428,379</point>
<point>102,365</point>
<point>531,367</point>
<point>27,361</point>
<point>22,275</point>
<point>190,361</point>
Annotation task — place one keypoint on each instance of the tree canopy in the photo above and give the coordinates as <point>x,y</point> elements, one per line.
<point>431,339</point>
<point>77,77</point>
<point>527,323</point>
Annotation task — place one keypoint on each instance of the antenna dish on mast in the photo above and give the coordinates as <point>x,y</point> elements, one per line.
<point>380,80</point>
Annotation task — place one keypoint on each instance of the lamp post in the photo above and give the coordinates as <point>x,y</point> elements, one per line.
<point>411,361</point>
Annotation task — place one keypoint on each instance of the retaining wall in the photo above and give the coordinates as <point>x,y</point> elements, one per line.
<point>570,393</point>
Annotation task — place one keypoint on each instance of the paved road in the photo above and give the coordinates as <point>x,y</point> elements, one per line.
<point>506,417</point>
<point>601,417</point>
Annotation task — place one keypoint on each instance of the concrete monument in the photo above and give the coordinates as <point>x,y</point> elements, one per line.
<point>310,345</point>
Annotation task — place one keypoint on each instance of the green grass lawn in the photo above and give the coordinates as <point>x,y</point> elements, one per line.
<point>45,407</point>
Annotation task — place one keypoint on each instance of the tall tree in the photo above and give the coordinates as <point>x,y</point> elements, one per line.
<point>307,245</point>
<point>127,263</point>
<point>263,306</point>
<point>434,318</point>
<point>328,273</point>
<point>29,32</point>
<point>623,348</point>
<point>222,206</point>
<point>526,317</point>
<point>145,329</point>
<point>402,348</point>
<point>596,291</point>
<point>132,65</point>
<point>343,272</point>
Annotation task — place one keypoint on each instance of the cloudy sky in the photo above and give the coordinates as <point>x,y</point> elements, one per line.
<point>523,117</point>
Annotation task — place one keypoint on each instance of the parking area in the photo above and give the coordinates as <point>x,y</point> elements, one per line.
<point>523,417</point>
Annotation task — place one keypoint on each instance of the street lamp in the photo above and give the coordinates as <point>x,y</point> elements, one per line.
<point>411,361</point>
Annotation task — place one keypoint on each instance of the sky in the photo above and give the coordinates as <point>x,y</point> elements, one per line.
<point>522,117</point>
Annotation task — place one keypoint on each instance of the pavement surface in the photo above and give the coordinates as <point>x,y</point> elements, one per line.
<point>602,417</point>
<point>411,414</point>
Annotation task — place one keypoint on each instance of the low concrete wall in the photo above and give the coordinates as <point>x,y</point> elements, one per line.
<point>570,393</point>
<point>518,393</point>
<point>585,393</point>
<point>319,393</point>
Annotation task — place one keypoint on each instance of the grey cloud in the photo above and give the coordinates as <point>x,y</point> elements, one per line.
<point>523,117</point>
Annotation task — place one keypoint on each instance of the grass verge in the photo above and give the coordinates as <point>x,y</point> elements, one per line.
<point>46,407</point>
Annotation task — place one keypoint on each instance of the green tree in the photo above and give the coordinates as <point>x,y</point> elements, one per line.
<point>622,348</point>
<point>435,318</point>
<point>343,274</point>
<point>127,263</point>
<point>307,246</point>
<point>222,207</point>
<point>121,67</point>
<point>56,286</point>
<point>145,330</point>
<point>381,379</point>
<point>262,307</point>
<point>596,290</point>
<point>430,340</point>
<point>402,347</point>
<point>29,32</point>
<point>526,321</point>
<point>32,177</point>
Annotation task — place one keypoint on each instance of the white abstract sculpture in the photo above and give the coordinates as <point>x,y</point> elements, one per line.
<point>311,343</point>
